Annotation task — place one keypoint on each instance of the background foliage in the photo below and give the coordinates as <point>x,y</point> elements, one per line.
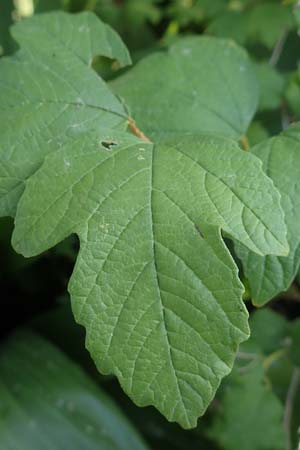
<point>257,407</point>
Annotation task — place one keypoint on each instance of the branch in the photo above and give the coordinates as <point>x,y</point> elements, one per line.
<point>246,355</point>
<point>278,48</point>
<point>270,359</point>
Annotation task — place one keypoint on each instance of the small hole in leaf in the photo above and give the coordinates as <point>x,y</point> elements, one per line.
<point>108,145</point>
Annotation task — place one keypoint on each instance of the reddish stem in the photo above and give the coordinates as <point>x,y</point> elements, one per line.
<point>134,128</point>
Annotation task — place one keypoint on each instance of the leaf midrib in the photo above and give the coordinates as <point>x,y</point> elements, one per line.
<point>162,309</point>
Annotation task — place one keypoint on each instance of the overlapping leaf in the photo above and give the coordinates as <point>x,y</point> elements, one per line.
<point>270,275</point>
<point>48,92</point>
<point>201,84</point>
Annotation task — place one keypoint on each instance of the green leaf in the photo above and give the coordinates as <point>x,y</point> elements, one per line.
<point>84,36</point>
<point>268,21</point>
<point>266,356</point>
<point>251,416</point>
<point>296,14</point>
<point>154,284</point>
<point>48,403</point>
<point>294,330</point>
<point>270,275</point>
<point>5,22</point>
<point>230,24</point>
<point>184,90</point>
<point>292,94</point>
<point>258,23</point>
<point>285,380</point>
<point>42,6</point>
<point>257,133</point>
<point>194,12</point>
<point>49,92</point>
<point>268,331</point>
<point>272,85</point>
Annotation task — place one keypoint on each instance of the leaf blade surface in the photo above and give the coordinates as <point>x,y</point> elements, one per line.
<point>48,93</point>
<point>270,275</point>
<point>154,283</point>
<point>201,84</point>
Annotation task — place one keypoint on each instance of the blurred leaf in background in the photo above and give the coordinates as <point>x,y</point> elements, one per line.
<point>250,415</point>
<point>6,10</point>
<point>255,408</point>
<point>48,403</point>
